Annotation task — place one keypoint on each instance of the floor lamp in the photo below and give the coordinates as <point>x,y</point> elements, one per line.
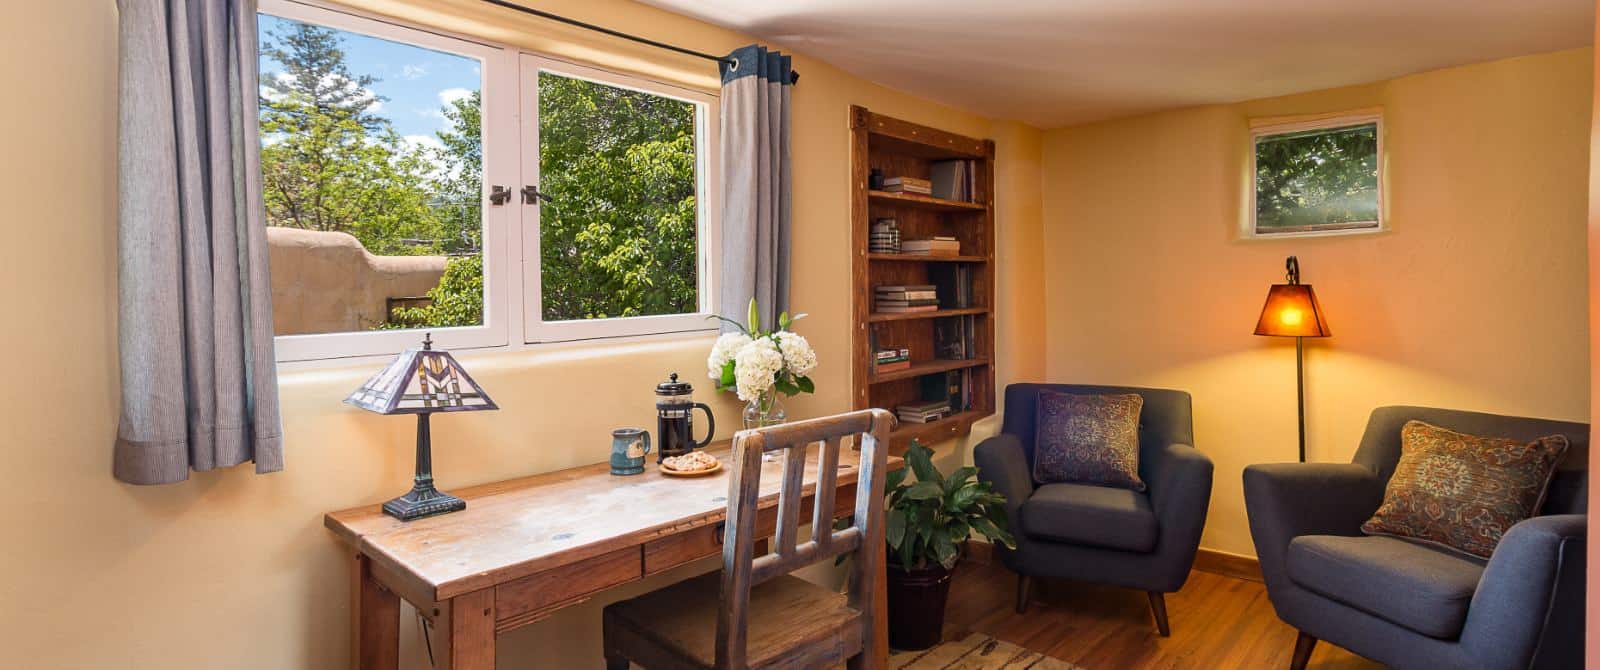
<point>1292,310</point>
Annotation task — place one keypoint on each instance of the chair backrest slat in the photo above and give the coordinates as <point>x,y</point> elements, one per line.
<point>790,499</point>
<point>863,539</point>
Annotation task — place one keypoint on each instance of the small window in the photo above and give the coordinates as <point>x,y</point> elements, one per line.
<point>1318,177</point>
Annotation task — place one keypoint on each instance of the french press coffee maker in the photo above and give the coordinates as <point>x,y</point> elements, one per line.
<point>674,421</point>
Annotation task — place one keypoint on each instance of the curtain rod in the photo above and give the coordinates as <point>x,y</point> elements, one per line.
<point>793,76</point>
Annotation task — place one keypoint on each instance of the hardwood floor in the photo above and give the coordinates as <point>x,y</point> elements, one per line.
<point>1217,622</point>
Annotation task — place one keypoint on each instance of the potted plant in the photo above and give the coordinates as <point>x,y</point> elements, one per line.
<point>926,522</point>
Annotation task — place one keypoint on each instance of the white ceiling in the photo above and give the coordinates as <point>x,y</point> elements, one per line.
<point>1071,61</point>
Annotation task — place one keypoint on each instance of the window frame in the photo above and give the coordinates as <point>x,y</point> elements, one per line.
<point>1262,128</point>
<point>507,100</point>
<point>707,230</point>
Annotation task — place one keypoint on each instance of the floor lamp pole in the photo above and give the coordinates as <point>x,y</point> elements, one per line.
<point>1300,390</point>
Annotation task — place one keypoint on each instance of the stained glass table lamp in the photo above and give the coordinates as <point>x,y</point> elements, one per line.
<point>422,381</point>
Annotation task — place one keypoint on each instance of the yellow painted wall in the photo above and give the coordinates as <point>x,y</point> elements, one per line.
<point>1475,299</point>
<point>1592,637</point>
<point>234,570</point>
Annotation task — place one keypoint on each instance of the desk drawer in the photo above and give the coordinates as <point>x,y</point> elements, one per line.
<point>533,597</point>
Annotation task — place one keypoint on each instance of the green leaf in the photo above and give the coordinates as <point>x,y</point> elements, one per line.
<point>895,530</point>
<point>908,553</point>
<point>783,321</point>
<point>894,479</point>
<point>959,478</point>
<point>806,385</point>
<point>924,491</point>
<point>736,324</point>
<point>729,379</point>
<point>786,387</point>
<point>961,500</point>
<point>921,460</point>
<point>945,551</point>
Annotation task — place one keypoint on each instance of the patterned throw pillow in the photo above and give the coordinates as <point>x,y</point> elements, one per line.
<point>1088,439</point>
<point>1462,491</point>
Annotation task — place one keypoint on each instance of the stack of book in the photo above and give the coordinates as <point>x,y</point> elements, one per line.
<point>953,179</point>
<point>890,360</point>
<point>900,299</point>
<point>923,412</point>
<point>908,185</point>
<point>885,237</point>
<point>941,245</point>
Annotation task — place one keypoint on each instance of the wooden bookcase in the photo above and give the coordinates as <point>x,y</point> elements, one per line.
<point>901,148</point>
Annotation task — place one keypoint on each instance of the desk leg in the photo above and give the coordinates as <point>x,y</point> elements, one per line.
<point>375,620</point>
<point>465,633</point>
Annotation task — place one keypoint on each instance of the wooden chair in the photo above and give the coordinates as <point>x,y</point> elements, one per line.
<point>753,614</point>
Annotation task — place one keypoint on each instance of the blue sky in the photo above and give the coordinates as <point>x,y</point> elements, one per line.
<point>415,80</point>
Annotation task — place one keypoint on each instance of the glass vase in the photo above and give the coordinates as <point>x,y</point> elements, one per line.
<point>763,410</point>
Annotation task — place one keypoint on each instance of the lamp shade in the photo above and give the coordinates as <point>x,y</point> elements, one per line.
<point>421,381</point>
<point>1292,310</point>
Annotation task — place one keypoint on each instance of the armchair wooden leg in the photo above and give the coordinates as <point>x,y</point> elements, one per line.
<point>1158,607</point>
<point>1024,584</point>
<point>1302,651</point>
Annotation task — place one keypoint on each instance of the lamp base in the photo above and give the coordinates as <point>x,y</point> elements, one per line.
<point>423,502</point>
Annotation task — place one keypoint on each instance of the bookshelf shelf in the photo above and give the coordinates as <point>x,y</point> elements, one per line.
<point>915,316</point>
<point>925,202</point>
<point>954,164</point>
<point>955,425</point>
<point>928,368</point>
<point>926,258</point>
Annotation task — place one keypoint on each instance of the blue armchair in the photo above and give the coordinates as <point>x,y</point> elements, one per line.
<point>1411,605</point>
<point>1138,540</point>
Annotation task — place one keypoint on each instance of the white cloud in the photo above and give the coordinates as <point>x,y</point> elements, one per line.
<point>423,141</point>
<point>413,71</point>
<point>450,95</point>
<point>431,144</point>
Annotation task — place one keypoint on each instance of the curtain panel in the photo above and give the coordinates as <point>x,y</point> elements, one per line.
<point>199,385</point>
<point>756,180</point>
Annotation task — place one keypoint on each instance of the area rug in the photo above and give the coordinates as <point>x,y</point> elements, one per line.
<point>976,652</point>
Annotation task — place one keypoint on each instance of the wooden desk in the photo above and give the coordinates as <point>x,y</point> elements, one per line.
<point>525,548</point>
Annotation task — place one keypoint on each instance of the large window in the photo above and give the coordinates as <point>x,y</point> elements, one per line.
<point>416,182</point>
<point>1318,177</point>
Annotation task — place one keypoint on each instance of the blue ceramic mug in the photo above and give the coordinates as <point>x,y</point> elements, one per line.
<point>628,447</point>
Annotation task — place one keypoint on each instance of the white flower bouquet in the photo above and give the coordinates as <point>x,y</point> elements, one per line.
<point>753,364</point>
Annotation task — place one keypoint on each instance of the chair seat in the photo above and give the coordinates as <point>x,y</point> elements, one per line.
<point>1099,516</point>
<point>1413,585</point>
<point>793,623</point>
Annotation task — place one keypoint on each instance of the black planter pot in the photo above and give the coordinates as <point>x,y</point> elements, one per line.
<point>916,605</point>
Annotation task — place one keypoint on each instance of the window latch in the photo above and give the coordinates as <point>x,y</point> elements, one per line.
<point>531,195</point>
<point>498,195</point>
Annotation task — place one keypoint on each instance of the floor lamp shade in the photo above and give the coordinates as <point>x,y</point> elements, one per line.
<point>1292,310</point>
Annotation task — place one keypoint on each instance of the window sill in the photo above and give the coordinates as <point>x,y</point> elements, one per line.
<point>294,373</point>
<point>1300,235</point>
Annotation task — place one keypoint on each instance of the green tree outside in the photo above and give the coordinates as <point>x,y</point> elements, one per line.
<point>1324,176</point>
<point>617,239</point>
